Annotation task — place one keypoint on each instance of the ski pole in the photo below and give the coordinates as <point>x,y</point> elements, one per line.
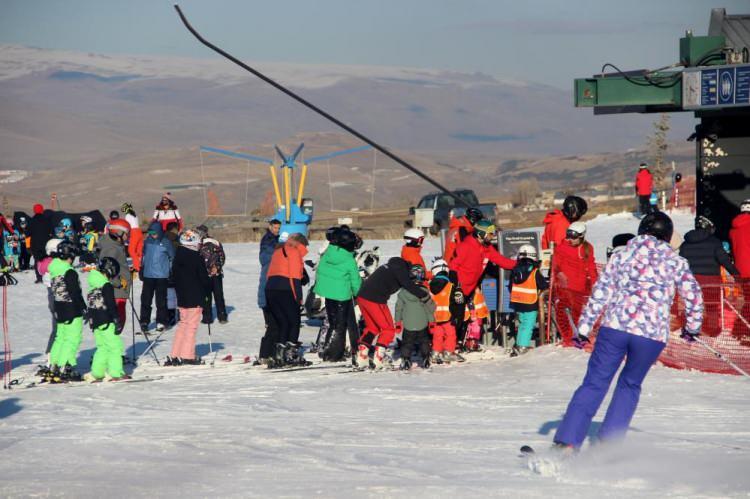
<point>210,346</point>
<point>151,345</point>
<point>145,335</point>
<point>721,357</point>
<point>132,320</point>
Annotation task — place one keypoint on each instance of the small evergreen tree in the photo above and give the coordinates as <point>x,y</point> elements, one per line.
<point>658,145</point>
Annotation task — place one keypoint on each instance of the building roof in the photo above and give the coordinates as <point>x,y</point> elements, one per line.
<point>735,29</point>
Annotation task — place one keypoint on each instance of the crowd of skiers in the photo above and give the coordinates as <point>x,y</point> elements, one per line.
<point>181,270</point>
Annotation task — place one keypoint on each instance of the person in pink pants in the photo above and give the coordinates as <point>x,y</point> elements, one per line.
<point>192,285</point>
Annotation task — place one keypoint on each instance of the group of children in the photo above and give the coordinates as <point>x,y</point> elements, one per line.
<point>195,271</point>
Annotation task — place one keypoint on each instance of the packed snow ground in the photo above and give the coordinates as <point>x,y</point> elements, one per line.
<point>235,431</point>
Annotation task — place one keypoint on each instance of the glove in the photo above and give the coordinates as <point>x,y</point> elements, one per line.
<point>580,341</point>
<point>458,296</point>
<point>688,336</point>
<point>123,283</point>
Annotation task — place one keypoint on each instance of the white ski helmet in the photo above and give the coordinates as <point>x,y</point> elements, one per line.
<point>51,247</point>
<point>190,239</point>
<point>438,266</point>
<point>576,229</point>
<point>527,251</point>
<point>745,206</point>
<point>414,237</point>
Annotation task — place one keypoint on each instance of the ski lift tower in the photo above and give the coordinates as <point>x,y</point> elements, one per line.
<point>295,215</point>
<point>714,83</point>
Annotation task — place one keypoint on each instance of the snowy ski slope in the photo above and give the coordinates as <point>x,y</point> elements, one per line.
<point>235,431</point>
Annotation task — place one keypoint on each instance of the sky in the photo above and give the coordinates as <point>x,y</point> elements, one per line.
<point>543,41</point>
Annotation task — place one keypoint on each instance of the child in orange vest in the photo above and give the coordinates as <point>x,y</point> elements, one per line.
<point>526,281</point>
<point>449,311</point>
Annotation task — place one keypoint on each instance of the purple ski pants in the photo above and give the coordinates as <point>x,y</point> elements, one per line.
<point>610,348</point>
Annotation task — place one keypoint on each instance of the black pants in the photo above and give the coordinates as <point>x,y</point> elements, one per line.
<point>285,310</point>
<point>51,306</point>
<point>38,257</point>
<point>419,341</point>
<point>23,260</point>
<point>271,336</point>
<point>644,203</point>
<point>462,326</point>
<point>341,318</point>
<point>151,286</point>
<point>217,290</point>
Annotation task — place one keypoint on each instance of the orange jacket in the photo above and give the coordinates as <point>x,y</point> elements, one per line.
<point>287,268</point>
<point>555,226</point>
<point>135,247</point>
<point>414,257</point>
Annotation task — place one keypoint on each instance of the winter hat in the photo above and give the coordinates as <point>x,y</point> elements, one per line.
<point>155,228</point>
<point>38,209</point>
<point>642,166</point>
<point>118,226</point>
<point>745,206</point>
<point>167,195</point>
<point>705,223</point>
<point>190,239</point>
<point>202,231</point>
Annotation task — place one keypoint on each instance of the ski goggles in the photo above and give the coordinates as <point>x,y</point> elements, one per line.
<point>571,234</point>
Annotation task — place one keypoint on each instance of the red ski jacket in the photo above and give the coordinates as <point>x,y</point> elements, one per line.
<point>644,183</point>
<point>555,226</point>
<point>458,226</point>
<point>471,259</point>
<point>574,266</point>
<point>739,237</point>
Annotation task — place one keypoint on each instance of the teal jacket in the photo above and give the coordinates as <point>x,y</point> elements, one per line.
<point>414,313</point>
<point>337,275</point>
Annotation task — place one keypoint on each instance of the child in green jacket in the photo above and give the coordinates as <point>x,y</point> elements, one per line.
<point>414,315</point>
<point>103,318</point>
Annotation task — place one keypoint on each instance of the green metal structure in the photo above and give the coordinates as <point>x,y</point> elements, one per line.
<point>712,80</point>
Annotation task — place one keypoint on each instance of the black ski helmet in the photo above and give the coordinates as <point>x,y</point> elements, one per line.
<point>332,234</point>
<point>705,223</point>
<point>345,239</point>
<point>67,249</point>
<point>109,267</point>
<point>678,177</point>
<point>416,273</point>
<point>574,207</point>
<point>474,215</point>
<point>657,224</point>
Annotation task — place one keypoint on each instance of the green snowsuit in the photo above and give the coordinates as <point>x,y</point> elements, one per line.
<point>69,309</point>
<point>109,344</point>
<point>337,275</point>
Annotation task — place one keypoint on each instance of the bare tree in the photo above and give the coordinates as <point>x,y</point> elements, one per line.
<point>526,191</point>
<point>658,145</point>
<point>616,181</point>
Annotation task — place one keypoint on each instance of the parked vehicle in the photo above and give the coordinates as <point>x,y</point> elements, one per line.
<point>440,205</point>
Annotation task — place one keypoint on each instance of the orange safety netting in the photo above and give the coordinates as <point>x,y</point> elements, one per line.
<point>726,325</point>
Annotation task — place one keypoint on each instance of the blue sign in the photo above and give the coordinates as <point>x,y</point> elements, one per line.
<point>709,79</point>
<point>726,86</point>
<point>742,85</point>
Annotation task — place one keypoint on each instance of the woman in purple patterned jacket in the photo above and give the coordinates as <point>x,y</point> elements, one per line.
<point>635,294</point>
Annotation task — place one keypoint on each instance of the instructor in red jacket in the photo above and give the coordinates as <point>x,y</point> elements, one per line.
<point>644,184</point>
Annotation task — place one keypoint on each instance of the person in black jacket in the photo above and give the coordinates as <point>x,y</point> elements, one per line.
<point>192,285</point>
<point>704,251</point>
<point>40,231</point>
<point>373,303</point>
<point>706,255</point>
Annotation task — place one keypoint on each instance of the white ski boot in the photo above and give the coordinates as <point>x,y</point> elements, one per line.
<point>379,360</point>
<point>363,356</point>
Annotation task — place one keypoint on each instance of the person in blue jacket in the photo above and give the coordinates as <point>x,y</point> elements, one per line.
<point>267,245</point>
<point>158,254</point>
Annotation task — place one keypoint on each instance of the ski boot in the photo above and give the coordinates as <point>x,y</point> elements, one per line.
<point>405,364</point>
<point>362,359</point>
<point>426,363</point>
<point>279,357</point>
<point>436,357</point>
<point>43,371</point>
<point>197,361</point>
<point>70,374</point>
<point>173,361</point>
<point>160,327</point>
<point>53,375</point>
<point>379,360</point>
<point>517,351</point>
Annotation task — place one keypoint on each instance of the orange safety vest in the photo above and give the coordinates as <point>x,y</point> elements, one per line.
<point>525,292</point>
<point>480,307</point>
<point>442,304</point>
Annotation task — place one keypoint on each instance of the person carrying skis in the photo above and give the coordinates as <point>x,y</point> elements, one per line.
<point>267,246</point>
<point>458,229</point>
<point>112,245</point>
<point>338,281</point>
<point>574,273</point>
<point>525,283</point>
<point>633,298</point>
<point>414,315</point>
<point>373,303</point>
<point>449,312</point>
<point>166,211</point>
<point>467,268</point>
<point>213,254</point>
<point>556,222</point>
<point>158,254</point>
<point>411,251</point>
<point>102,316</point>
<point>192,285</point>
<point>286,276</point>
<point>69,309</point>
<point>40,231</point>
